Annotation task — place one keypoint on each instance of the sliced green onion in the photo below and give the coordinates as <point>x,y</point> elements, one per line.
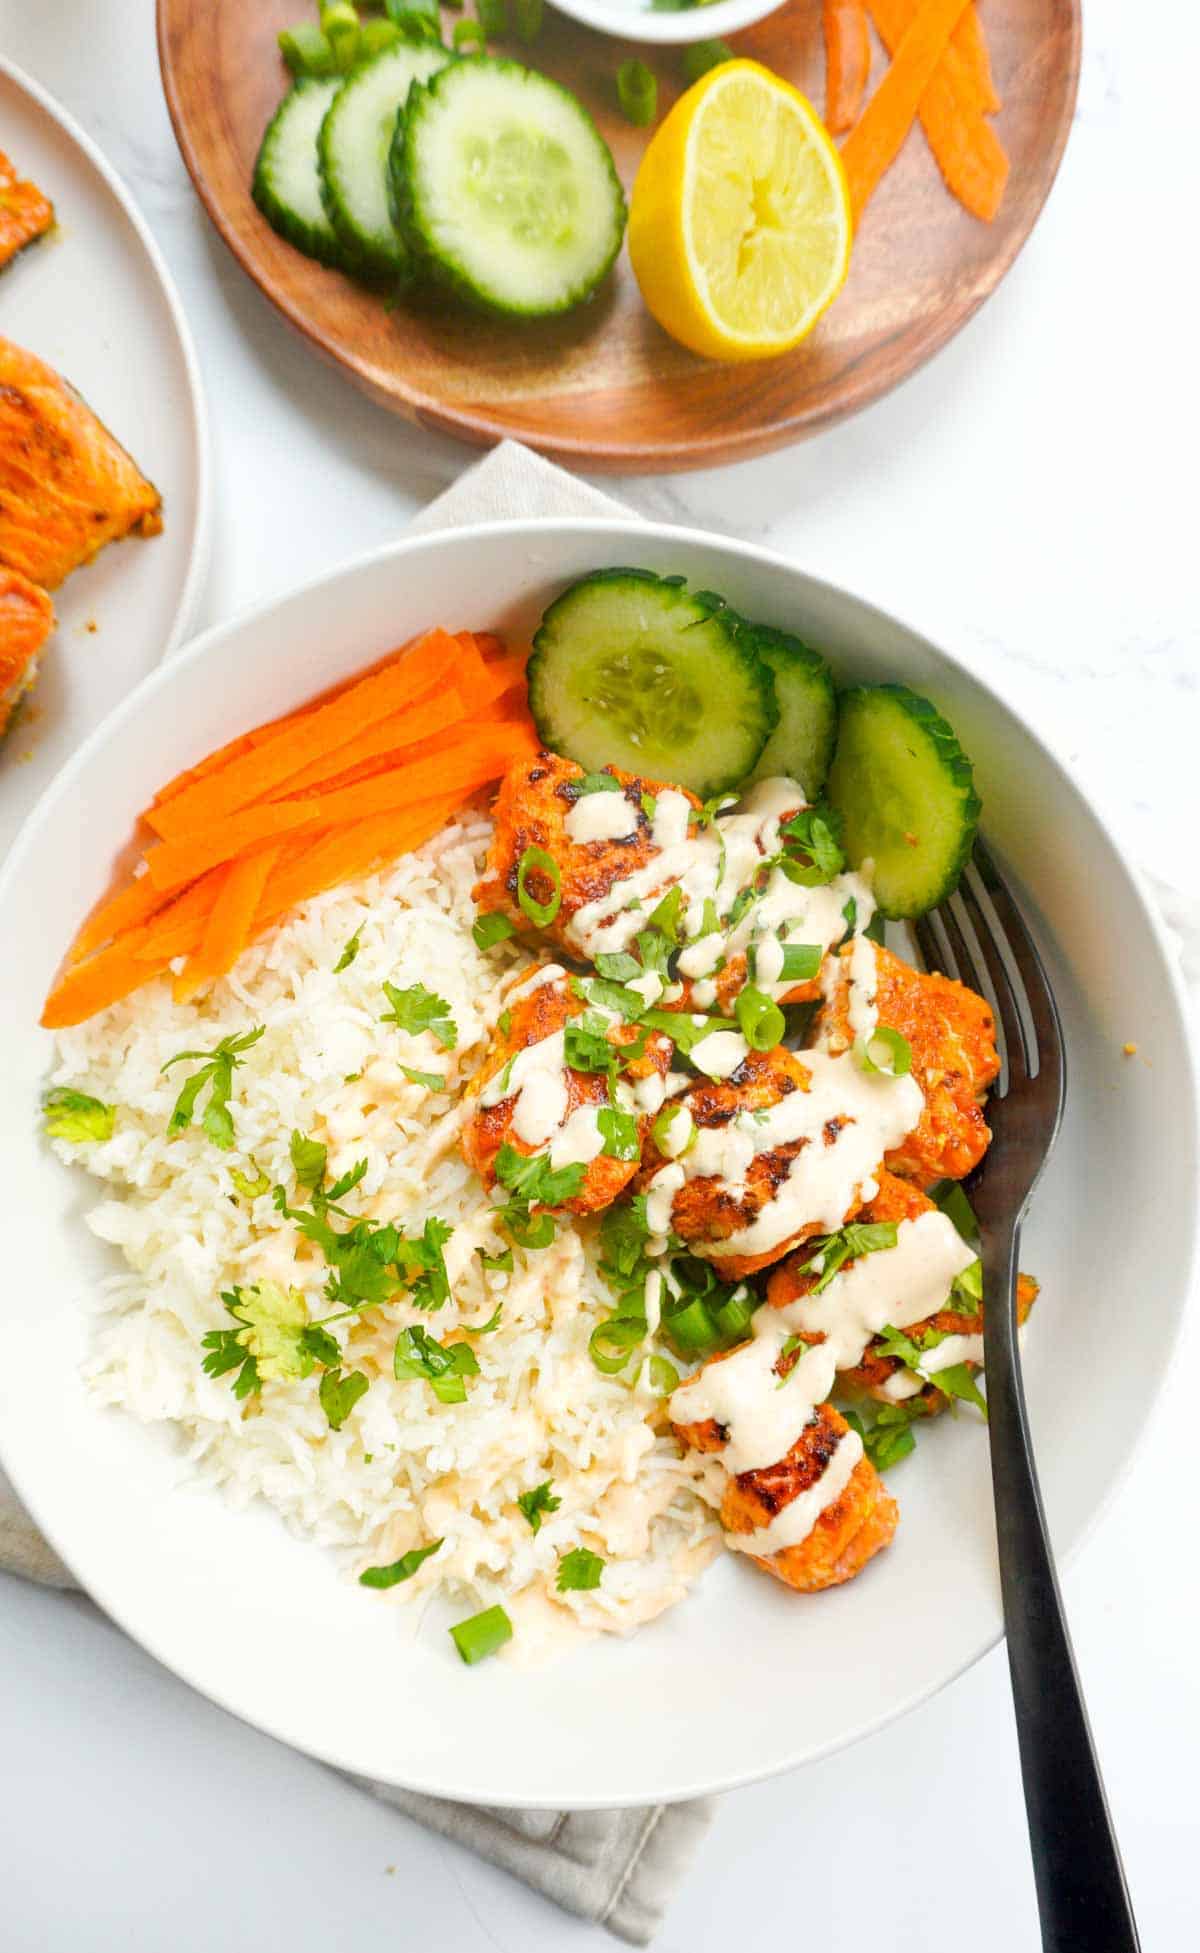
<point>340,26</point>
<point>674,1131</point>
<point>613,1341</point>
<point>383,1577</point>
<point>481,1635</point>
<point>487,930</point>
<point>376,35</point>
<point>536,860</point>
<point>801,962</point>
<point>306,50</point>
<point>691,1328</point>
<point>664,1377</point>
<point>493,17</point>
<point>637,92</point>
<point>760,1020</point>
<point>469,34</point>
<point>886,1051</point>
<point>527,19</point>
<point>733,1317</point>
<point>701,56</point>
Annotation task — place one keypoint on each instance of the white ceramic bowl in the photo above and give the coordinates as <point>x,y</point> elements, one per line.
<point>637,20</point>
<point>744,1678</point>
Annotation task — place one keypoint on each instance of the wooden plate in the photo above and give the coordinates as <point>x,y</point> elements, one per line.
<point>605,388</point>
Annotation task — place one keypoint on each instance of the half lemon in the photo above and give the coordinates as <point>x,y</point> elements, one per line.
<point>739,224</point>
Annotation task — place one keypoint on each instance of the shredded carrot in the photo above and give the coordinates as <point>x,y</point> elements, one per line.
<point>348,852</point>
<point>461,766</point>
<point>967,149</point>
<point>92,986</point>
<point>878,137</point>
<point>847,62</point>
<point>127,909</point>
<point>178,927</point>
<point>411,727</point>
<point>229,924</point>
<point>969,43</point>
<point>255,773</point>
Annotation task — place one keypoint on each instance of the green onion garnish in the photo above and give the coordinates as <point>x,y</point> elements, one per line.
<point>481,1635</point>
<point>733,1317</point>
<point>383,1577</point>
<point>701,56</point>
<point>537,861</point>
<point>886,1051</point>
<point>672,1138</point>
<point>692,1329</point>
<point>664,1377</point>
<point>801,962</point>
<point>612,1342</point>
<point>637,91</point>
<point>306,50</point>
<point>760,1020</point>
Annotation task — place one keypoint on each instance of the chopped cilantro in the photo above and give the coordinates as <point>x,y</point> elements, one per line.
<point>618,965</point>
<point>339,1394</point>
<point>957,1380</point>
<point>666,914</point>
<point>76,1117</point>
<point>847,1244</point>
<point>596,783</point>
<point>890,1437</point>
<point>433,1081</point>
<point>382,1577</point>
<point>490,929</point>
<point>537,1503</point>
<point>586,1046</point>
<point>309,1160</point>
<point>620,1133</point>
<point>417,1009</point>
<point>579,1571</point>
<point>531,1177</point>
<point>442,1366</point>
<point>497,1264</point>
<point>349,952</point>
<point>813,834</point>
<point>216,1070</point>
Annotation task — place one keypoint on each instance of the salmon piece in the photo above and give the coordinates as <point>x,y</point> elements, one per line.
<point>706,1210</point>
<point>25,214</point>
<point>66,486</point>
<point>954,1060</point>
<point>530,811</point>
<point>534,1015</point>
<point>897,1200</point>
<point>26,621</point>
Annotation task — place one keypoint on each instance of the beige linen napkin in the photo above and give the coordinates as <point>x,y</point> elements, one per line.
<point>618,1868</point>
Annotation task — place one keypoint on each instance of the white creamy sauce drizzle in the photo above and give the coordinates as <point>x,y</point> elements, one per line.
<point>720,1053</point>
<point>763,1415</point>
<point>534,979</point>
<point>601,817</point>
<point>654,1291</point>
<point>580,1140</point>
<point>899,1285</point>
<point>953,1349</point>
<point>795,1521</point>
<point>660,1196</point>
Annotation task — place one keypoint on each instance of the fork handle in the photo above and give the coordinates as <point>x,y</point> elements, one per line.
<point>1083,1900</point>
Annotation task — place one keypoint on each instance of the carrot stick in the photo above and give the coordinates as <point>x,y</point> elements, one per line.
<point>967,149</point>
<point>93,985</point>
<point>230,921</point>
<point>127,909</point>
<point>349,852</point>
<point>178,927</point>
<point>456,767</point>
<point>847,62</point>
<point>502,674</point>
<point>277,759</point>
<point>969,43</point>
<point>391,735</point>
<point>878,137</point>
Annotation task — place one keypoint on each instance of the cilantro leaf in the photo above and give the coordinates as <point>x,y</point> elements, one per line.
<point>486,1328</point>
<point>443,1366</point>
<point>274,1320</point>
<point>321,1346</point>
<point>579,1571</point>
<point>501,1263</point>
<point>812,833</point>
<point>425,1260</point>
<point>349,952</point>
<point>957,1380</point>
<point>618,965</point>
<point>248,1188</point>
<point>666,915</point>
<point>620,1133</point>
<point>339,1394</point>
<point>216,1072</point>
<point>624,1231</point>
<point>894,1342</point>
<point>532,1178</point>
<point>309,1159</point>
<point>528,1230</point>
<point>226,1353</point>
<point>433,1081</point>
<point>382,1577</point>
<point>890,1438</point>
<point>490,929</point>
<point>538,1502</point>
<point>848,1244</point>
<point>596,783</point>
<point>76,1117</point>
<point>416,1009</point>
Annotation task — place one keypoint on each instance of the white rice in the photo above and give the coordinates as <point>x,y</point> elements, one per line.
<point>404,1468</point>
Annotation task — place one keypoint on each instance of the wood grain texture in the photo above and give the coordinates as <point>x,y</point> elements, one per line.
<point>604,388</point>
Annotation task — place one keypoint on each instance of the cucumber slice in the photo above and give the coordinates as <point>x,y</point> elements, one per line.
<point>801,745</point>
<point>287,184</point>
<point>353,149</point>
<point>507,189</point>
<point>906,794</point>
<point>632,668</point>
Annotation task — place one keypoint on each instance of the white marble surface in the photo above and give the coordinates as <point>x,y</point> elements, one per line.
<point>1030,499</point>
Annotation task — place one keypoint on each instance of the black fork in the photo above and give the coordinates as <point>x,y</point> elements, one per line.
<point>1083,1900</point>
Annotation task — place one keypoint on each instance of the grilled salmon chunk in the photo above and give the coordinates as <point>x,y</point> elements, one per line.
<point>26,621</point>
<point>25,214</point>
<point>66,486</point>
<point>535,1015</point>
<point>952,1036</point>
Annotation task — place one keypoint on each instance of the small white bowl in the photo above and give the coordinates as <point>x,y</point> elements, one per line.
<point>637,20</point>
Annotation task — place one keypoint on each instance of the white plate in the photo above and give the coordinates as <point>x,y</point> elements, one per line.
<point>95,300</point>
<point>744,1678</point>
<point>637,20</point>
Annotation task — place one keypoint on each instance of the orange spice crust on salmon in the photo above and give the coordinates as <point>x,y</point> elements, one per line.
<point>25,214</point>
